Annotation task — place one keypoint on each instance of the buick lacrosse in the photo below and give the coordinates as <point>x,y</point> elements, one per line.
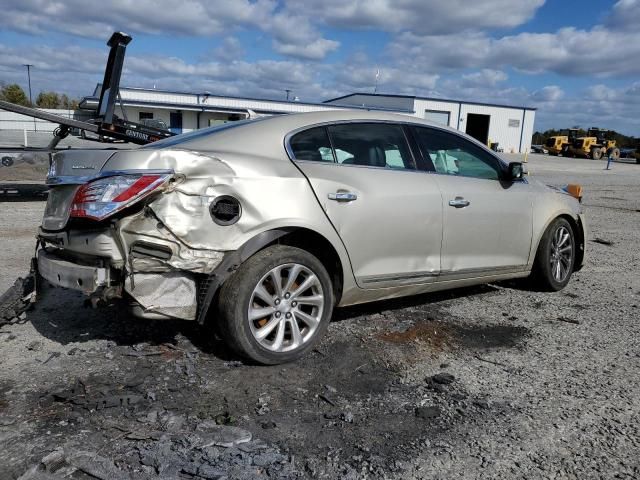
<point>264,226</point>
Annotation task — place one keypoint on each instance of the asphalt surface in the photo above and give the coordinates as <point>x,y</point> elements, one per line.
<point>489,382</point>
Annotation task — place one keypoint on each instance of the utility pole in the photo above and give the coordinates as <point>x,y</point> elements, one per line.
<point>288,90</point>
<point>29,65</point>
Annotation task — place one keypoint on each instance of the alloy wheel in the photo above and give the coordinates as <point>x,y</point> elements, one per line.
<point>286,307</point>
<point>561,257</point>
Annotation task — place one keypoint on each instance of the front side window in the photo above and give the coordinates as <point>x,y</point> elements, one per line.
<point>371,144</point>
<point>312,145</point>
<point>452,154</point>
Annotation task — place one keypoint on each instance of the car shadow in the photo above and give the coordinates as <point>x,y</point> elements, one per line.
<point>425,299</point>
<point>61,316</point>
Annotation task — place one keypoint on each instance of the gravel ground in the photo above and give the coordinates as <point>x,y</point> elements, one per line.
<point>487,382</point>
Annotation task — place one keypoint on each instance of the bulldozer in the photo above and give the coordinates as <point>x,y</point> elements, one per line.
<point>557,145</point>
<point>595,145</point>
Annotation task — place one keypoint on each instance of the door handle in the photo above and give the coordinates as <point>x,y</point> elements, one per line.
<point>343,196</point>
<point>459,202</point>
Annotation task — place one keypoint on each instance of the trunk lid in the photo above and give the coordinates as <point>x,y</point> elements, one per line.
<point>69,170</point>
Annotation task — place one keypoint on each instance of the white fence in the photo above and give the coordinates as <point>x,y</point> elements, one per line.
<point>16,121</point>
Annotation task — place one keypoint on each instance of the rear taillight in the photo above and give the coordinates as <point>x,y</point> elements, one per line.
<point>101,198</point>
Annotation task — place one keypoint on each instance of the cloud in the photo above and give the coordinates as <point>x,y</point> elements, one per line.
<point>485,78</point>
<point>550,93</point>
<point>293,35</point>
<point>568,51</point>
<point>230,50</point>
<point>624,15</point>
<point>418,16</point>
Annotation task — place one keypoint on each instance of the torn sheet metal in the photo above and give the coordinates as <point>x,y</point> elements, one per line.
<point>169,293</point>
<point>144,227</point>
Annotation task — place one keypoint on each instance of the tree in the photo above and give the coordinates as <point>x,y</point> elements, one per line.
<point>48,100</point>
<point>13,93</point>
<point>68,103</point>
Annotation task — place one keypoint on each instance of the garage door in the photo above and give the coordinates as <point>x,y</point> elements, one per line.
<point>437,116</point>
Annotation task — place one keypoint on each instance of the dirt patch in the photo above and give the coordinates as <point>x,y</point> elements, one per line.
<point>441,335</point>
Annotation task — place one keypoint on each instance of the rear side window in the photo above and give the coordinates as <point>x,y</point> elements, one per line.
<point>313,145</point>
<point>371,144</point>
<point>452,154</point>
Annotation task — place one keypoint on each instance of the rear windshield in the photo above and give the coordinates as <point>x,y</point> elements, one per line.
<point>197,134</point>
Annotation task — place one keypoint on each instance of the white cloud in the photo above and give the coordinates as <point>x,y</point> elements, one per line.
<point>569,51</point>
<point>419,16</point>
<point>231,49</point>
<point>486,77</point>
<point>293,35</point>
<point>550,93</point>
<point>625,15</point>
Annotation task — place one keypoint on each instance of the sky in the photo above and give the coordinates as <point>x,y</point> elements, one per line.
<point>576,61</point>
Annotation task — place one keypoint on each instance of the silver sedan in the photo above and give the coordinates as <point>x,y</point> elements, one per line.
<point>263,227</point>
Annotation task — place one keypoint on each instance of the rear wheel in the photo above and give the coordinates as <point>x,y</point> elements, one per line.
<point>555,258</point>
<point>276,306</point>
<point>614,153</point>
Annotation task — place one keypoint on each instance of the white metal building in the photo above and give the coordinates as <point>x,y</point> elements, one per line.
<point>511,127</point>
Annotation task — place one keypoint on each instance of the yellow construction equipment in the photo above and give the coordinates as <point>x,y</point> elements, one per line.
<point>595,145</point>
<point>558,144</point>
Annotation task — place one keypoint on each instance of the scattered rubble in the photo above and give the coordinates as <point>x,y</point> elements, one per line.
<point>16,300</point>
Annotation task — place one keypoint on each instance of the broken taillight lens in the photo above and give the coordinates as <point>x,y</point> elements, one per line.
<point>101,198</point>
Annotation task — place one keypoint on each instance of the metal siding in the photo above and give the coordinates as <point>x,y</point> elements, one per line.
<point>527,133</point>
<point>378,101</point>
<point>421,105</point>
<point>507,137</point>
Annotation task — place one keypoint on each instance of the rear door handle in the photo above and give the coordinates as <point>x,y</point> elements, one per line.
<point>459,202</point>
<point>343,196</point>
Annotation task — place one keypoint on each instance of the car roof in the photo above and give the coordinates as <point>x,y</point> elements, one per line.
<point>265,136</point>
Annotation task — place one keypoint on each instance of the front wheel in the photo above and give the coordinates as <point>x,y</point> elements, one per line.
<point>555,258</point>
<point>276,306</point>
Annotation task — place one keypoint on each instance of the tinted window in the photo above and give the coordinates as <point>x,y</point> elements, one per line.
<point>312,144</point>
<point>371,144</point>
<point>453,155</point>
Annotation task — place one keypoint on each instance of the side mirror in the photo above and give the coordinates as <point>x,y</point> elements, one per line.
<point>515,171</point>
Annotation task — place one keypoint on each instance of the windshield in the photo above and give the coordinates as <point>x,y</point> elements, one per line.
<point>203,132</point>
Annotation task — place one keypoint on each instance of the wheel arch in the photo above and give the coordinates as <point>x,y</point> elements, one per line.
<point>579,236</point>
<point>300,237</point>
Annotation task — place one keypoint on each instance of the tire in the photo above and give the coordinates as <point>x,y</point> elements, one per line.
<point>614,153</point>
<point>544,274</point>
<point>596,153</point>
<point>282,314</point>
<point>7,161</point>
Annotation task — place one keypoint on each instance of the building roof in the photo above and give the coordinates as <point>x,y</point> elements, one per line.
<point>88,101</point>
<point>414,97</point>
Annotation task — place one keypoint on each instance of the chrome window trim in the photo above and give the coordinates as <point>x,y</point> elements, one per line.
<point>326,125</point>
<point>293,158</point>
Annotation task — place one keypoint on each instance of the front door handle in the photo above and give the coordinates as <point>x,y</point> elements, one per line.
<point>343,196</point>
<point>459,202</point>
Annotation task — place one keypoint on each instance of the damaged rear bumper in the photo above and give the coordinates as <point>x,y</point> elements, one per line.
<point>143,269</point>
<point>62,273</point>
